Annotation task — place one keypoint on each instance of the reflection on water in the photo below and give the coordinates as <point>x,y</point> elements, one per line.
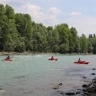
<point>35,75</point>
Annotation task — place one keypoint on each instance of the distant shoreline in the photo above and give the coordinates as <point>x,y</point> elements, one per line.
<point>27,53</point>
<point>23,53</point>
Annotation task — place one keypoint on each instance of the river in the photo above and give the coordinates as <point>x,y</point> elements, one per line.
<point>35,75</point>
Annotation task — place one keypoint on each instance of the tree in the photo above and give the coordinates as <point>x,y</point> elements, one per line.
<point>2,23</point>
<point>63,37</point>
<point>84,44</point>
<point>9,31</point>
<point>90,47</point>
<point>73,40</point>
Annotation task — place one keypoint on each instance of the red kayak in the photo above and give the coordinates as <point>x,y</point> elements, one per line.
<point>6,60</point>
<point>81,62</point>
<point>53,59</point>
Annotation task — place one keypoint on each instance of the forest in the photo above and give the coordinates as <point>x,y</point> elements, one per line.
<point>19,33</point>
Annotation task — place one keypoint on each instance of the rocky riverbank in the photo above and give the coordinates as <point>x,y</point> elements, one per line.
<point>88,89</point>
<point>12,53</point>
<point>27,53</point>
<point>23,53</point>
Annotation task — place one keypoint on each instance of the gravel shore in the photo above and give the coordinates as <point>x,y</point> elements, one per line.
<point>87,89</point>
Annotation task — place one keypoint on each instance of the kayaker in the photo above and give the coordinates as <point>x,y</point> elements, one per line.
<point>79,60</point>
<point>7,58</point>
<point>52,57</point>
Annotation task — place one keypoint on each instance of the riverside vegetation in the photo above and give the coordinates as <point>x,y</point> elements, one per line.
<point>19,33</point>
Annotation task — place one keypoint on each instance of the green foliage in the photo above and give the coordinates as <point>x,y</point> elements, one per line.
<point>20,44</point>
<point>73,40</point>
<point>10,12</point>
<point>55,48</point>
<point>77,46</point>
<point>84,44</point>
<point>64,48</point>
<point>90,47</point>
<point>2,10</point>
<point>19,33</point>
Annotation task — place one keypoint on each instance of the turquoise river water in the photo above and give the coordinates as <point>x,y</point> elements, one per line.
<point>35,75</point>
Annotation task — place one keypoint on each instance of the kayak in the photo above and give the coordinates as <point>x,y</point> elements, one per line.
<point>6,60</point>
<point>81,62</point>
<point>53,59</point>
